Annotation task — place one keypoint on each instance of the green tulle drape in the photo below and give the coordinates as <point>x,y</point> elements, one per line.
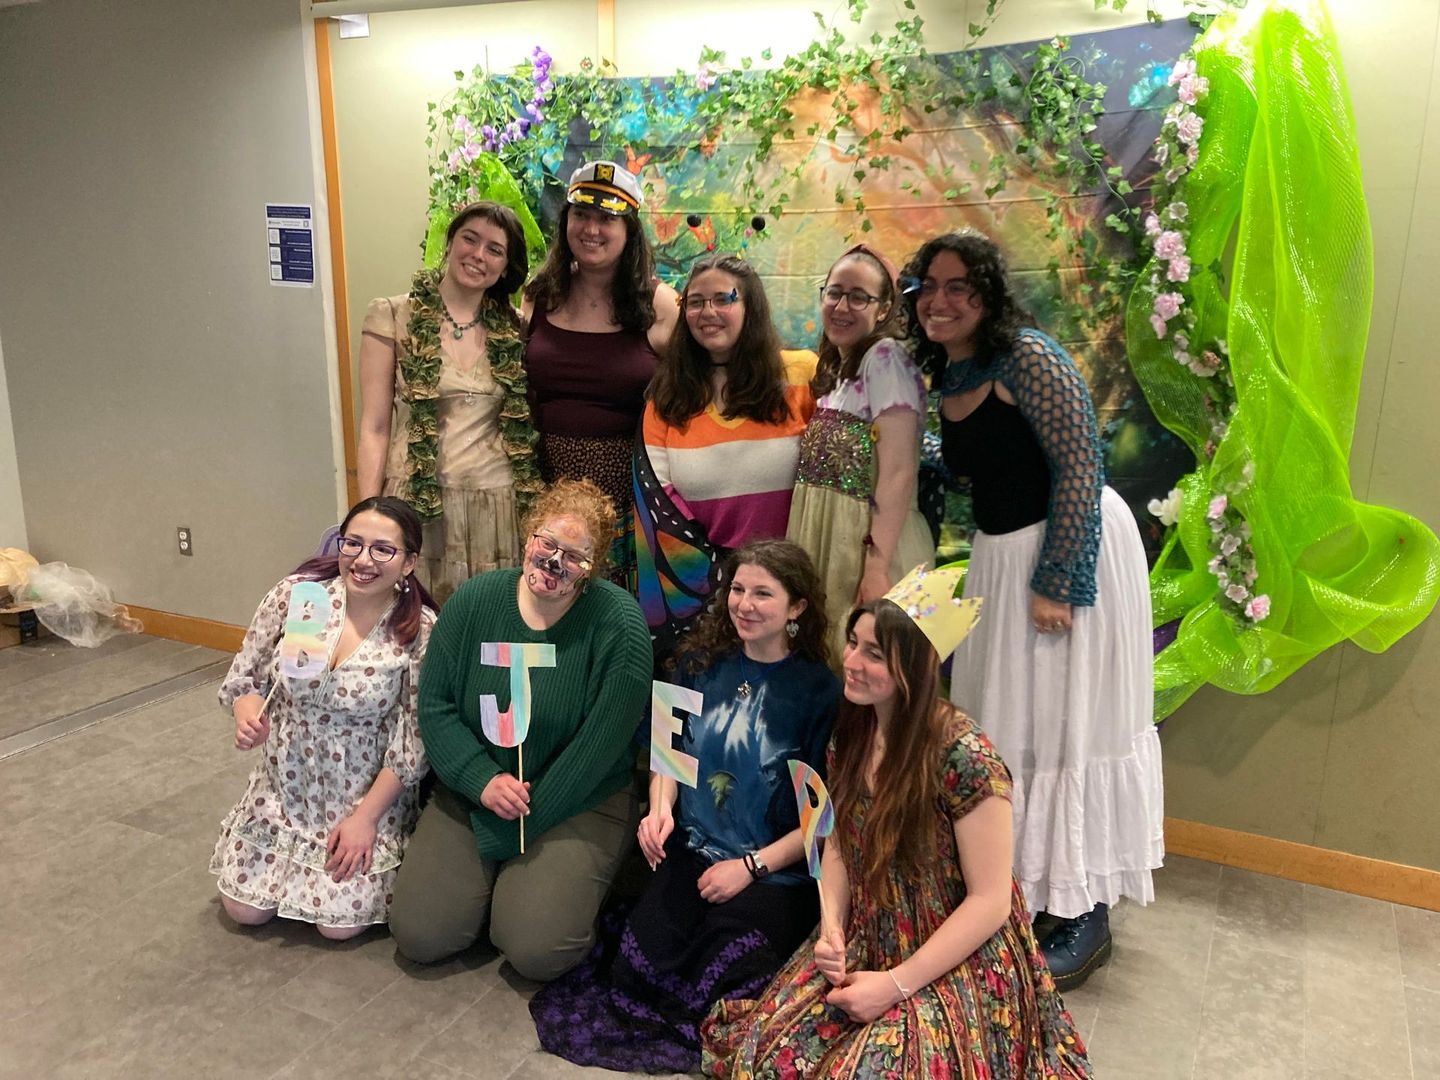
<point>1275,197</point>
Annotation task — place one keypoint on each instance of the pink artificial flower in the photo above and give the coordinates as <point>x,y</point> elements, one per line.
<point>1215,564</point>
<point>1237,592</point>
<point>1217,508</point>
<point>1181,341</point>
<point>1162,152</point>
<point>1229,545</point>
<point>453,161</point>
<point>1167,305</point>
<point>1179,269</point>
<point>1158,325</point>
<point>1177,210</point>
<point>1183,69</point>
<point>470,151</point>
<point>463,126</point>
<point>1152,225</point>
<point>1171,175</point>
<point>1210,360</point>
<point>1251,575</point>
<point>1188,128</point>
<point>1169,244</point>
<point>1198,368</point>
<point>1186,93</point>
<point>1258,608</point>
<point>706,77</point>
<point>1192,155</point>
<point>1182,357</point>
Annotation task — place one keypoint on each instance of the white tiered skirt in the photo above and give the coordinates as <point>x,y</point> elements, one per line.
<point>1072,715</point>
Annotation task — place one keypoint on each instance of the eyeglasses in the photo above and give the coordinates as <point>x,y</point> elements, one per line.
<point>720,301</point>
<point>379,551</point>
<point>955,288</point>
<point>574,561</point>
<point>859,299</point>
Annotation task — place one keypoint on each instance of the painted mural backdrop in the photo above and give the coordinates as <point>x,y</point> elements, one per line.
<point>964,159</point>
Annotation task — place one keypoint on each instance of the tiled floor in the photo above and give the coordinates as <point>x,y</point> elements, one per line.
<point>117,961</point>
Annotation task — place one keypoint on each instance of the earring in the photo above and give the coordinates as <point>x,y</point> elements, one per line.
<point>792,628</point>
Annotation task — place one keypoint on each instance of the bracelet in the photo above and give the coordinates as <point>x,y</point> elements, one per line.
<point>904,994</point>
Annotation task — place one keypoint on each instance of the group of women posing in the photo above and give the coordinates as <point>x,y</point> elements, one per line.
<point>771,515</point>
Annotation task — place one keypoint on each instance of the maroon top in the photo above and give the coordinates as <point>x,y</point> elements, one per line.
<point>586,385</point>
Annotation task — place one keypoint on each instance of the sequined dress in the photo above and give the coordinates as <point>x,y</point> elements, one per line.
<point>834,493</point>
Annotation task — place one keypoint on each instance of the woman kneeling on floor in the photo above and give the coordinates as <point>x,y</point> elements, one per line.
<point>320,830</point>
<point>730,899</point>
<point>578,646</point>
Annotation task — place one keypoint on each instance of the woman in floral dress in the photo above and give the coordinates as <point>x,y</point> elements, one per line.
<point>936,972</point>
<point>854,507</point>
<point>319,833</point>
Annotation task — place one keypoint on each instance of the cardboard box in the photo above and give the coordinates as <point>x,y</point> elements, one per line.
<point>19,626</point>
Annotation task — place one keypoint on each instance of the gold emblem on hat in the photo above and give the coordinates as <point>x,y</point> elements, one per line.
<point>605,172</point>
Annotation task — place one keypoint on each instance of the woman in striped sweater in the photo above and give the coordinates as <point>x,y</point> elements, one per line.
<point>721,441</point>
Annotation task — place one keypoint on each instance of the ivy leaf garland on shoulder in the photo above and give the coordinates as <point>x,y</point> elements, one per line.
<point>420,361</point>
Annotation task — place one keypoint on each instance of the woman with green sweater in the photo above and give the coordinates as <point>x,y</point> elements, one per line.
<point>576,795</point>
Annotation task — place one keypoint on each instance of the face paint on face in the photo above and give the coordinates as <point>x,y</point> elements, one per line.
<point>557,555</point>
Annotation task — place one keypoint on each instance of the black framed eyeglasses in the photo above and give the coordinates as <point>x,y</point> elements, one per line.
<point>720,301</point>
<point>858,299</point>
<point>574,561</point>
<point>380,551</point>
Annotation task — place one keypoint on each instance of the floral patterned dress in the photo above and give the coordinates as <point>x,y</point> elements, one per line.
<point>997,1015</point>
<point>329,738</point>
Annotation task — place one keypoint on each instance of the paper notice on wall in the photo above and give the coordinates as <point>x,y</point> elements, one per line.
<point>290,239</point>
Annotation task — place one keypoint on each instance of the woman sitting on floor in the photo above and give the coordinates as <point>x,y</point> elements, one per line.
<point>931,968</point>
<point>322,825</point>
<point>730,899</point>
<point>577,797</point>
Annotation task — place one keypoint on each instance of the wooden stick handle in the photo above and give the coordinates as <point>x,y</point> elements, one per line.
<point>520,775</point>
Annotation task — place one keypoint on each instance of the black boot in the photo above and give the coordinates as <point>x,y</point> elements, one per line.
<point>1076,947</point>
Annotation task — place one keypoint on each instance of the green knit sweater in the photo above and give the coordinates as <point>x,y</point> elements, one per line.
<point>584,711</point>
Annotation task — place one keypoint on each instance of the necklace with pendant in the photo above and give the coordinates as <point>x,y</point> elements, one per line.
<point>746,688</point>
<point>460,328</point>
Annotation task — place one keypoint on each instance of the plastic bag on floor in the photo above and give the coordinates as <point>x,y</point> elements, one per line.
<point>72,604</point>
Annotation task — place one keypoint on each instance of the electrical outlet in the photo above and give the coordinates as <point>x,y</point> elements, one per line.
<point>183,540</point>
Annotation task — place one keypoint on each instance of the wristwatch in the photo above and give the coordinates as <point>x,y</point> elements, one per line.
<point>756,865</point>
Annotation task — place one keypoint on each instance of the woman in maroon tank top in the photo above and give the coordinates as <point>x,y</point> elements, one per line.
<point>596,318</point>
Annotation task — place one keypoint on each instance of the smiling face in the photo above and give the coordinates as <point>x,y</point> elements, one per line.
<point>949,311</point>
<point>556,558</point>
<point>715,328</point>
<point>868,680</point>
<point>596,239</point>
<point>759,609</point>
<point>846,325</point>
<point>364,575</point>
<point>477,256</point>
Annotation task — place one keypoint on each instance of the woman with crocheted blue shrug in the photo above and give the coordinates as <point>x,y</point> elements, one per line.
<point>1060,672</point>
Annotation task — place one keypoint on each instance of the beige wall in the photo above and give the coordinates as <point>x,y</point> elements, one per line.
<point>12,508</point>
<point>155,377</point>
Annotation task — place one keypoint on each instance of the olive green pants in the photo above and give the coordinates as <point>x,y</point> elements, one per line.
<point>541,906</point>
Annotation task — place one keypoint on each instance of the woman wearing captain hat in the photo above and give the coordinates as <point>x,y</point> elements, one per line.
<point>596,317</point>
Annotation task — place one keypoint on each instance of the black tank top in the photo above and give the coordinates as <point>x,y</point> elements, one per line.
<point>1009,476</point>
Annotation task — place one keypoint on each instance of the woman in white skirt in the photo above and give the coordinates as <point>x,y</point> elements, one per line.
<point>1059,674</point>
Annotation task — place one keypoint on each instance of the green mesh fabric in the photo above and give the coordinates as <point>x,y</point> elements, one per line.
<point>1052,396</point>
<point>1279,175</point>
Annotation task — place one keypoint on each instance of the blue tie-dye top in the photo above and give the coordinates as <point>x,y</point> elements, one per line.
<point>745,799</point>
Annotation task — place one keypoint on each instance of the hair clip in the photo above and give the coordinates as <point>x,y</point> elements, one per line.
<point>909,284</point>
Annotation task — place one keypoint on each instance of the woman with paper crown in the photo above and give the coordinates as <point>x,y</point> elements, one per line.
<point>597,318</point>
<point>332,800</point>
<point>535,805</point>
<point>854,503</point>
<point>730,899</point>
<point>721,439</point>
<point>930,967</point>
<point>439,376</point>
<point>1061,675</point>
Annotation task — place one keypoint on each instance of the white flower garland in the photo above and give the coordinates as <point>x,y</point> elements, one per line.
<point>1176,151</point>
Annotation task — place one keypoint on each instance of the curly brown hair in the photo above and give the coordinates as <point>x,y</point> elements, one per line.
<point>755,379</point>
<point>986,271</point>
<point>833,368</point>
<point>580,499</point>
<point>714,636</point>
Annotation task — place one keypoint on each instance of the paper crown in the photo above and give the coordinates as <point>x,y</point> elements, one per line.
<point>605,186</point>
<point>929,598</point>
